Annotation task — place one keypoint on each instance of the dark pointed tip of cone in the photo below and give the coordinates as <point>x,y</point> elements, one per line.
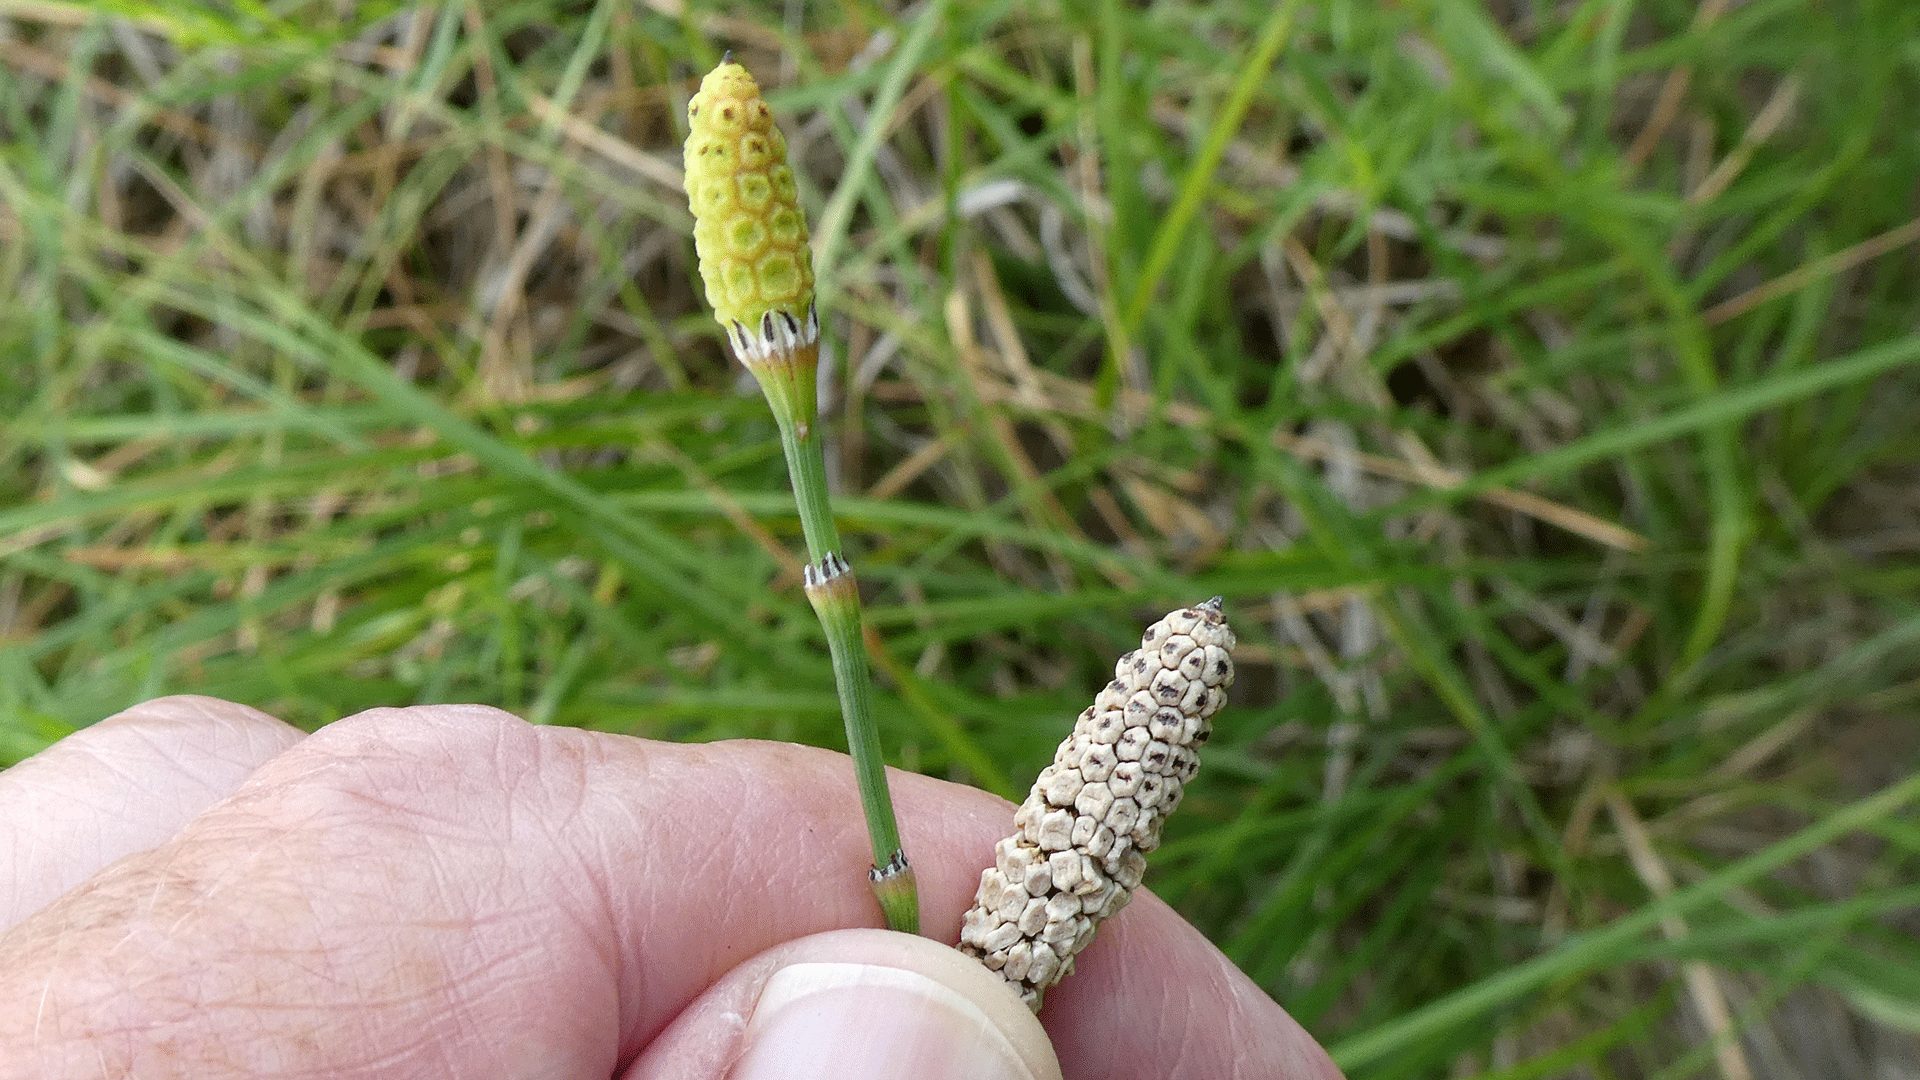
<point>727,59</point>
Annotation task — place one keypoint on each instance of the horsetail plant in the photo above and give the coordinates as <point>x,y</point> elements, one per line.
<point>751,237</point>
<point>1081,838</point>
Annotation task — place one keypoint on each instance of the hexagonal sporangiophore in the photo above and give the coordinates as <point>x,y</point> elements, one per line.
<point>748,227</point>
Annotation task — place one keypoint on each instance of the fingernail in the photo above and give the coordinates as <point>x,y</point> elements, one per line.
<point>860,1021</point>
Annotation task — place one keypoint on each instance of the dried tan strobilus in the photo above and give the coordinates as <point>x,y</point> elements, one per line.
<point>1093,814</point>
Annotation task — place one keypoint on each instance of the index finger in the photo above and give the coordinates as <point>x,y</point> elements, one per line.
<point>458,885</point>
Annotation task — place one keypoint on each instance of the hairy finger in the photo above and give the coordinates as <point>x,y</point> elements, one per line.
<point>123,785</point>
<point>451,888</point>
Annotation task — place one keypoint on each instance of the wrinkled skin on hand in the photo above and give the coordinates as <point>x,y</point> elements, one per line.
<point>195,888</point>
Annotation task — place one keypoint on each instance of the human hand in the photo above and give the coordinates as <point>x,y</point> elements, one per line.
<point>195,888</point>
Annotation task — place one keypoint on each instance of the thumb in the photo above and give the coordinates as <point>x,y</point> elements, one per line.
<point>853,1005</point>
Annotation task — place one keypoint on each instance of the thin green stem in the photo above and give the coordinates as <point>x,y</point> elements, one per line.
<point>863,739</point>
<point>836,600</point>
<point>807,468</point>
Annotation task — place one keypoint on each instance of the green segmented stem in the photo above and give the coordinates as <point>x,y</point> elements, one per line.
<point>758,270</point>
<point>836,599</point>
<point>835,596</point>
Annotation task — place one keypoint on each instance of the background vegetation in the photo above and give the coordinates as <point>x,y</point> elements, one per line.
<point>1535,380</point>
